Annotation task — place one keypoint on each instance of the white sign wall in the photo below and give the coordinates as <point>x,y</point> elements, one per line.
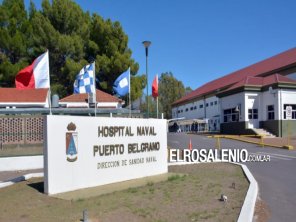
<point>83,152</point>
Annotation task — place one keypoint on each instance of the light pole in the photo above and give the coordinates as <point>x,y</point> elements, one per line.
<point>146,45</point>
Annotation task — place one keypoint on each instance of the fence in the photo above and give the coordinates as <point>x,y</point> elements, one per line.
<point>27,129</point>
<point>21,129</point>
<point>22,134</point>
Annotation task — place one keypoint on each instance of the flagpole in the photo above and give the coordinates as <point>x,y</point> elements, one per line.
<point>157,107</point>
<point>95,91</point>
<point>49,101</point>
<point>49,90</point>
<point>157,96</point>
<point>129,92</point>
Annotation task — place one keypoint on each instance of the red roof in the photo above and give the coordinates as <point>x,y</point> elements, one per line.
<point>277,78</point>
<point>13,95</point>
<point>100,95</point>
<point>265,67</point>
<point>261,81</point>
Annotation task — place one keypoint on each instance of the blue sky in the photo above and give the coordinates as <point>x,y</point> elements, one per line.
<point>201,40</point>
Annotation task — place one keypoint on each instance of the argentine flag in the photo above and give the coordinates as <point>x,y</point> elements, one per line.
<point>122,83</point>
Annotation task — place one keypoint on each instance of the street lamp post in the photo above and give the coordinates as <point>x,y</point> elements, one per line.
<point>146,45</point>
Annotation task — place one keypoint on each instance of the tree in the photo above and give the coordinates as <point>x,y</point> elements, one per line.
<point>170,89</point>
<point>138,83</point>
<point>73,38</point>
<point>152,107</point>
<point>188,90</point>
<point>15,33</point>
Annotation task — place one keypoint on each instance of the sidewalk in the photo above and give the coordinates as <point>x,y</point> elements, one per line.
<point>9,175</point>
<point>274,142</point>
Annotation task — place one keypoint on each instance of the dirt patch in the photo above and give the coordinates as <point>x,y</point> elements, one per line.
<point>262,211</point>
<point>193,196</point>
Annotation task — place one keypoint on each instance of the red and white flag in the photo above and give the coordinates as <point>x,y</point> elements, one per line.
<point>155,87</point>
<point>35,75</point>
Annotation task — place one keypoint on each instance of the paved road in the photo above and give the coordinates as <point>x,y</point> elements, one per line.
<point>276,179</point>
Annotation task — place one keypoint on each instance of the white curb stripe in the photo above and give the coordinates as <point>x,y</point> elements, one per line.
<point>248,208</point>
<point>20,178</point>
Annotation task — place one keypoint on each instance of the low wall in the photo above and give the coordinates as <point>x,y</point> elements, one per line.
<point>288,128</point>
<point>235,128</point>
<point>21,163</point>
<point>272,126</point>
<point>281,128</point>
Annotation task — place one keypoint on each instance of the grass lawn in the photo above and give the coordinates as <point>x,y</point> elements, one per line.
<point>192,197</point>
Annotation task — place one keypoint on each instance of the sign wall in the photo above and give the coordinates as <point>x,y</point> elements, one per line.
<point>83,152</point>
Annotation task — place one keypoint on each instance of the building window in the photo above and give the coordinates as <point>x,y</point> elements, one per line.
<point>207,104</point>
<point>293,110</point>
<point>194,107</point>
<point>230,115</point>
<point>179,111</point>
<point>270,112</point>
<point>186,110</point>
<point>201,106</point>
<point>216,102</point>
<point>211,103</point>
<point>253,113</point>
<point>191,108</point>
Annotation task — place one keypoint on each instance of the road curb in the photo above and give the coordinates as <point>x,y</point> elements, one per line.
<point>253,142</point>
<point>248,208</point>
<point>19,179</point>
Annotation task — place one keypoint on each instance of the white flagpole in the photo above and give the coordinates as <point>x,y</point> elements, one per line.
<point>49,101</point>
<point>157,98</point>
<point>129,93</point>
<point>157,107</point>
<point>49,90</point>
<point>95,90</point>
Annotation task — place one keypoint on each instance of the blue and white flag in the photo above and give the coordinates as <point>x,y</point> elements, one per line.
<point>122,83</point>
<point>85,82</point>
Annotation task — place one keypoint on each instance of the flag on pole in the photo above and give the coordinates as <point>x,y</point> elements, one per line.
<point>155,87</point>
<point>85,81</point>
<point>121,86</point>
<point>35,75</point>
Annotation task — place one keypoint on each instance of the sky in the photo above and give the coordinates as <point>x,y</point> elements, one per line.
<point>200,40</point>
